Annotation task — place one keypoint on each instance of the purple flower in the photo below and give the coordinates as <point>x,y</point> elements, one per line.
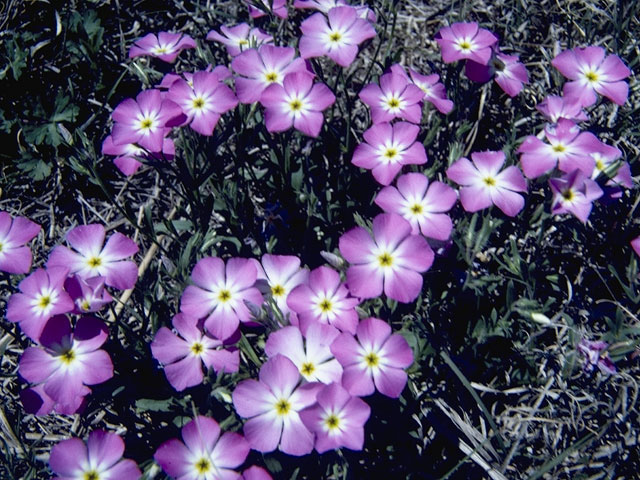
<point>396,97</point>
<point>278,7</point>
<point>635,244</point>
<point>321,5</point>
<point>272,406</point>
<point>555,108</point>
<point>203,101</point>
<point>41,297</point>
<point>184,355</point>
<point>311,355</point>
<point>220,293</point>
<point>256,473</point>
<point>392,260</point>
<point>373,360</point>
<point>433,90</point>
<point>387,148</point>
<point>593,73</point>
<point>262,67</point>
<point>101,458</point>
<point>337,419</point>
<point>483,184</point>
<point>128,155</point>
<point>324,299</point>
<point>465,41</point>
<point>337,36</point>
<point>568,148</point>
<point>605,159</point>
<point>67,361</point>
<point>36,401</point>
<point>15,257</point>
<point>239,38</point>
<point>595,354</point>
<point>298,102</point>
<point>166,46</point>
<point>91,259</point>
<point>145,120</point>
<point>204,454</point>
<point>89,295</point>
<point>574,193</point>
<point>508,72</point>
<point>421,204</point>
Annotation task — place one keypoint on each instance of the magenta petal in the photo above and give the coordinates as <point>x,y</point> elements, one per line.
<point>364,281</point>
<point>68,457</point>
<point>357,381</point>
<point>104,449</point>
<point>174,458</point>
<point>201,434</point>
<point>356,245</point>
<point>296,439</point>
<point>230,451</point>
<point>168,347</point>
<point>403,285</point>
<point>509,202</point>
<point>280,374</point>
<point>184,373</point>
<point>251,398</point>
<point>36,365</point>
<point>125,469</point>
<point>390,381</point>
<point>475,198</point>
<point>97,367</point>
<point>263,432</point>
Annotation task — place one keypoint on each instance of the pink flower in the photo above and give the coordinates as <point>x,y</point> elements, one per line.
<point>41,297</point>
<point>36,401</point>
<point>145,120</point>
<point>595,354</point>
<point>91,259</point>
<point>101,458</point>
<point>324,299</point>
<point>465,41</point>
<point>220,293</point>
<point>338,38</point>
<point>568,148</point>
<point>555,108</point>
<point>605,161</point>
<point>298,102</point>
<point>508,72</point>
<point>278,7</point>
<point>166,46</point>
<point>184,355</point>
<point>311,354</point>
<point>128,155</point>
<point>88,294</point>
<point>593,73</point>
<point>387,148</point>
<point>396,97</point>
<point>374,360</point>
<point>433,90</point>
<point>256,473</point>
<point>635,244</point>
<point>67,361</point>
<point>262,67</point>
<point>483,184</point>
<point>392,260</point>
<point>421,204</point>
<point>321,5</point>
<point>239,37</point>
<point>15,257</point>
<point>574,193</point>
<point>272,406</point>
<point>337,419</point>
<point>205,454</point>
<point>204,101</point>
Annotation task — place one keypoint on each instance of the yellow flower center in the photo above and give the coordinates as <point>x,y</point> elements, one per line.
<point>371,359</point>
<point>224,296</point>
<point>85,305</point>
<point>559,148</point>
<point>599,165</point>
<point>203,466</point>
<point>0,247</point>
<point>335,37</point>
<point>464,45</point>
<point>591,76</point>
<point>385,260</point>
<point>332,422</point>
<point>416,209</point>
<point>295,105</point>
<point>91,475</point>
<point>489,181</point>
<point>325,305</point>
<point>393,102</point>
<point>568,195</point>
<point>271,77</point>
<point>282,407</point>
<point>307,368</point>
<point>390,153</point>
<point>68,356</point>
<point>198,103</point>
<point>146,123</point>
<point>197,348</point>
<point>277,290</point>
<point>243,41</point>
<point>45,301</point>
<point>161,50</point>
<point>94,262</point>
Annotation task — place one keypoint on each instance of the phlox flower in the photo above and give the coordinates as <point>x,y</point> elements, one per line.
<point>88,294</point>
<point>278,7</point>
<point>128,155</point>
<point>272,405</point>
<point>465,41</point>
<point>145,120</point>
<point>395,97</point>
<point>183,355</point>
<point>15,256</point>
<point>203,454</point>
<point>392,260</point>
<point>337,419</point>
<point>311,354</point>
<point>591,72</point>
<point>36,401</point>
<point>324,299</point>
<point>298,102</point>
<point>422,204</point>
<point>508,72</point>
<point>41,297</point>
<point>92,259</point>
<point>483,184</point>
<point>204,101</point>
<point>99,459</point>
<point>554,108</point>
<point>277,276</point>
<point>387,148</point>
<point>595,354</point>
<point>337,35</point>
<point>259,68</point>
<point>321,5</point>
<point>256,473</point>
<point>220,293</point>
<point>635,244</point>
<point>165,46</point>
<point>574,193</point>
<point>374,359</point>
<point>239,38</point>
<point>433,90</point>
<point>605,159</point>
<point>567,147</point>
<point>220,71</point>
<point>67,361</point>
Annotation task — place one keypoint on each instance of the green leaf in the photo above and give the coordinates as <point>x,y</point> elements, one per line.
<point>148,404</point>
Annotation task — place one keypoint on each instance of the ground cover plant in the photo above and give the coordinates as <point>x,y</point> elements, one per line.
<point>319,239</point>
